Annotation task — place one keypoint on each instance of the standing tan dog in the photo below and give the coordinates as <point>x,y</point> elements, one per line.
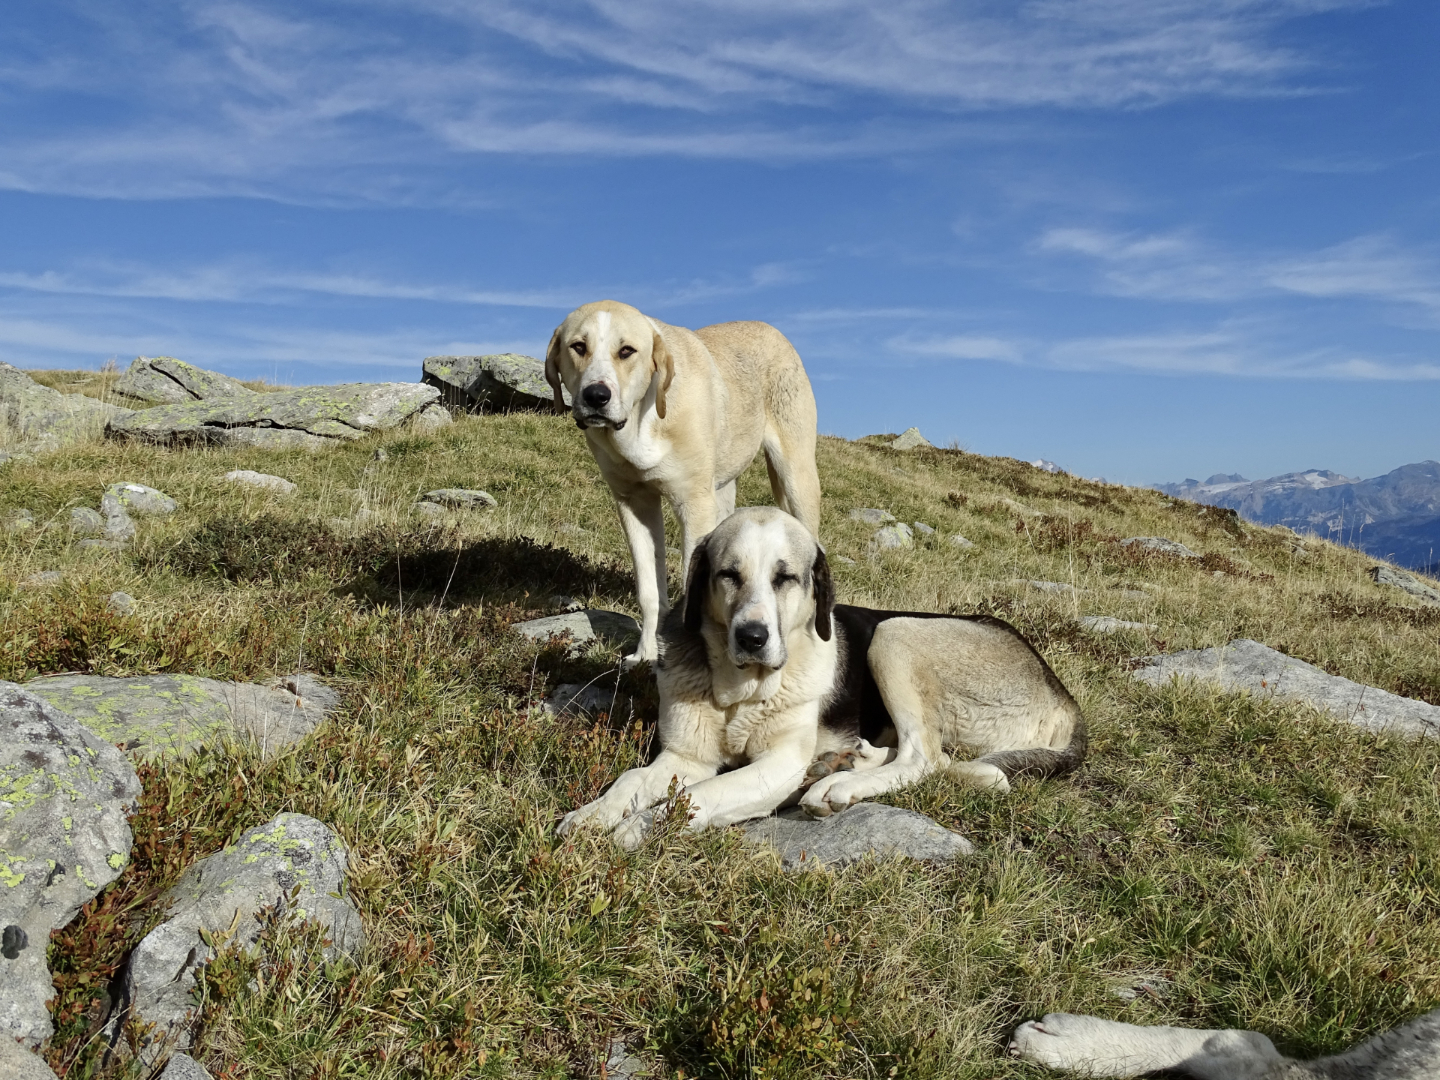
<point>765,675</point>
<point>680,413</point>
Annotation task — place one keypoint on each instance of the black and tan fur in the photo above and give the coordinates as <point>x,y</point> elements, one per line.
<point>762,674</point>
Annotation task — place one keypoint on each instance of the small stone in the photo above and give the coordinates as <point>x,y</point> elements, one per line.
<point>19,520</point>
<point>380,454</point>
<point>910,439</point>
<point>960,542</point>
<point>569,529</point>
<point>1157,987</point>
<point>892,537</point>
<point>621,1064</point>
<point>86,522</point>
<point>1058,588</point>
<point>460,499</point>
<point>264,481</point>
<point>429,509</point>
<point>864,829</point>
<point>120,603</point>
<point>1105,624</point>
<point>921,528</point>
<point>589,625</point>
<point>1408,583</point>
<point>43,579</point>
<point>868,515</point>
<point>1160,544</point>
<point>135,499</point>
<point>184,1067</point>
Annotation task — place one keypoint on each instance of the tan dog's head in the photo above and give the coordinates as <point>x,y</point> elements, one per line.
<point>607,355</point>
<point>760,578</point>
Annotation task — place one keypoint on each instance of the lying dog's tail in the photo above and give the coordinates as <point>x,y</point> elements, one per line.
<point>1039,763</point>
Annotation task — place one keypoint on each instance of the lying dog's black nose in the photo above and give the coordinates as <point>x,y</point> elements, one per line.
<point>596,395</point>
<point>751,636</point>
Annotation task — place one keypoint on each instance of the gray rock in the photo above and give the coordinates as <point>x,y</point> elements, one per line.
<point>864,829</point>
<point>583,626</point>
<point>311,418</point>
<point>150,715</point>
<point>292,861</point>
<point>184,1067</point>
<point>1055,588</point>
<point>163,380</point>
<point>621,1064</point>
<point>1248,665</point>
<point>429,509</point>
<point>893,536</point>
<point>42,579</point>
<point>1105,624</point>
<point>17,1063</point>
<point>37,418</point>
<point>1021,508</point>
<point>431,419</point>
<point>263,481</point>
<point>1157,987</point>
<point>959,541</point>
<point>589,699</point>
<point>1160,544</point>
<point>868,515</point>
<point>1409,583</point>
<point>19,520</point>
<point>460,499</point>
<point>499,382</point>
<point>909,439</point>
<point>921,528</point>
<point>135,499</point>
<point>65,794</point>
<point>120,603</point>
<point>86,522</point>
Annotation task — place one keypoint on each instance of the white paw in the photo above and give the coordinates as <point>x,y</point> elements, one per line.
<point>639,656</point>
<point>1082,1044</point>
<point>632,831</point>
<point>831,794</point>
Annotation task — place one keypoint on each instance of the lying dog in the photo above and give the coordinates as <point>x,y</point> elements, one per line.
<point>764,674</point>
<point>667,411</point>
<point>1093,1047</point>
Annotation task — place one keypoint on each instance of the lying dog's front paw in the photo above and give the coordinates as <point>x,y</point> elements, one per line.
<point>632,831</point>
<point>1068,1041</point>
<point>829,795</point>
<point>635,658</point>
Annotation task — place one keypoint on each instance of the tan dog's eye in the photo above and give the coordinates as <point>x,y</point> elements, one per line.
<point>579,347</point>
<point>626,351</point>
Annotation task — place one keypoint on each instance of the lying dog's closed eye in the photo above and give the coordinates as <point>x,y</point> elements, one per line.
<point>764,674</point>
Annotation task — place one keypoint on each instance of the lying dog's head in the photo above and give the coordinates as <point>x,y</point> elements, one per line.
<point>607,355</point>
<point>761,578</point>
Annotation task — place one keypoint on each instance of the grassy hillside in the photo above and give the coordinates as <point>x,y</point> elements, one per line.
<point>1278,867</point>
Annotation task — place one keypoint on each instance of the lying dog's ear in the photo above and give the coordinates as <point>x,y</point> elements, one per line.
<point>552,368</point>
<point>824,594</point>
<point>665,368</point>
<point>696,584</point>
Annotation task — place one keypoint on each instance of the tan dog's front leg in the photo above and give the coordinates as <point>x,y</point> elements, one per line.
<point>699,513</point>
<point>644,524</point>
<point>638,790</point>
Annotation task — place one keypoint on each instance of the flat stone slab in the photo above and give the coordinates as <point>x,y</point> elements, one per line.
<point>1248,665</point>
<point>264,481</point>
<point>1161,544</point>
<point>39,418</point>
<point>498,382</point>
<point>1106,624</point>
<point>610,626</point>
<point>1409,583</point>
<point>311,418</point>
<point>150,715</point>
<point>865,829</point>
<point>65,796</point>
<point>163,380</point>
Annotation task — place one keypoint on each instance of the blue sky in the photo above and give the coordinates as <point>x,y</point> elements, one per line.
<point>1146,239</point>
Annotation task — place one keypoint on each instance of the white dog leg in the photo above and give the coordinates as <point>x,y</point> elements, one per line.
<point>1090,1046</point>
<point>644,523</point>
<point>636,791</point>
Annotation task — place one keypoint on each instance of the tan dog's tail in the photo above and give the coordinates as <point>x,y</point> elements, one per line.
<point>1039,763</point>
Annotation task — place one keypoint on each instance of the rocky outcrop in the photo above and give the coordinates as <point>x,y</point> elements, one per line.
<point>150,715</point>
<point>1248,665</point>
<point>163,380</point>
<point>293,863</point>
<point>502,382</point>
<point>1162,545</point>
<point>35,418</point>
<point>866,829</point>
<point>311,418</point>
<point>910,439</point>
<point>1406,583</point>
<point>65,794</point>
<point>17,1063</point>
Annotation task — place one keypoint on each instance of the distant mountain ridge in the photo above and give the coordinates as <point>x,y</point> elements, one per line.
<point>1395,516</point>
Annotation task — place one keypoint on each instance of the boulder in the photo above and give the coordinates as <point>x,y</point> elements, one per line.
<point>17,1063</point>
<point>292,862</point>
<point>65,794</point>
<point>264,481</point>
<point>311,418</point>
<point>501,382</point>
<point>1248,665</point>
<point>1408,583</point>
<point>1105,624</point>
<point>460,499</point>
<point>869,515</point>
<point>150,715</point>
<point>864,829</point>
<point>35,418</point>
<point>184,1067</point>
<point>910,439</point>
<point>1160,544</point>
<point>583,626</point>
<point>894,536</point>
<point>163,380</point>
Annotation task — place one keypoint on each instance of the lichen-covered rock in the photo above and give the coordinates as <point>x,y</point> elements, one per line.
<point>42,579</point>
<point>184,1067</point>
<point>86,522</point>
<point>311,418</point>
<point>501,382</point>
<point>163,380</point>
<point>866,829</point>
<point>869,515</point>
<point>127,498</point>
<point>292,861</point>
<point>120,603</point>
<point>65,794</point>
<point>18,521</point>
<point>150,715</point>
<point>894,536</point>
<point>35,418</point>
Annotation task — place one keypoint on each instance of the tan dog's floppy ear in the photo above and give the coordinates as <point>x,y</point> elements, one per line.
<point>552,368</point>
<point>665,368</point>
<point>696,582</point>
<point>824,594</point>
